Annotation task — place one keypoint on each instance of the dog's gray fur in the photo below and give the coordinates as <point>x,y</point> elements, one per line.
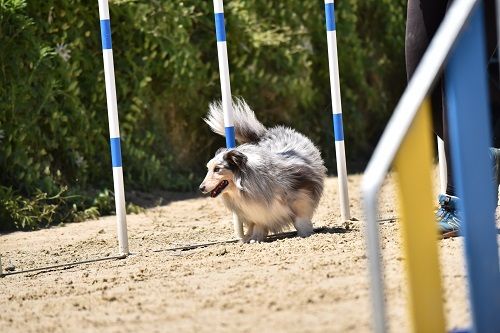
<point>275,176</point>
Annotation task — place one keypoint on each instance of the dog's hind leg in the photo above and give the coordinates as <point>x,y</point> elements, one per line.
<point>304,226</point>
<point>303,208</point>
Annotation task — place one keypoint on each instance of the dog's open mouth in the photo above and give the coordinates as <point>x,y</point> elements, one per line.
<point>219,188</point>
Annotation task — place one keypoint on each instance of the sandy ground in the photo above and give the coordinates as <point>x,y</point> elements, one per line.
<point>318,284</point>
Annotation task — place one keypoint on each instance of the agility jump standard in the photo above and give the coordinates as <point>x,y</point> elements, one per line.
<point>407,142</point>
<point>225,86</point>
<point>114,129</point>
<point>338,129</point>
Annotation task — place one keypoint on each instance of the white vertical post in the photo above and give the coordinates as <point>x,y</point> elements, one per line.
<point>225,86</point>
<point>443,174</point>
<point>338,129</point>
<point>114,130</point>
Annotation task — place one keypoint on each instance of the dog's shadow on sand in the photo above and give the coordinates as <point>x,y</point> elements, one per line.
<point>320,230</point>
<point>269,239</point>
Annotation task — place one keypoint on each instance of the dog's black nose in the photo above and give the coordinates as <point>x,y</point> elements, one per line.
<point>202,188</point>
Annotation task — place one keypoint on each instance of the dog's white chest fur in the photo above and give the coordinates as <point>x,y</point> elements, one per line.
<point>275,216</point>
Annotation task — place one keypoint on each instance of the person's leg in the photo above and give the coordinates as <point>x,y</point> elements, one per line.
<point>450,182</point>
<point>448,215</point>
<point>423,19</point>
<point>494,86</point>
<point>493,69</point>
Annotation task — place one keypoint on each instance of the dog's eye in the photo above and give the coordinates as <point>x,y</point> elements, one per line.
<point>216,169</point>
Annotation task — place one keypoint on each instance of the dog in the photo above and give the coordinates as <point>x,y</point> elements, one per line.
<point>272,180</point>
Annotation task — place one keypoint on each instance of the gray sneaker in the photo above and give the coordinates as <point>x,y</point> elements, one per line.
<point>448,218</point>
<point>495,159</point>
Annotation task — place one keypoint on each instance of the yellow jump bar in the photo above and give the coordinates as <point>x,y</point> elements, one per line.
<point>413,166</point>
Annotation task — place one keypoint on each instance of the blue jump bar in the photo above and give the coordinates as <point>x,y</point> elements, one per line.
<point>470,132</point>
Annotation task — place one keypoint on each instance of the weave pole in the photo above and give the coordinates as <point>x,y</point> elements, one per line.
<point>114,130</point>
<point>470,134</point>
<point>338,128</point>
<point>225,86</point>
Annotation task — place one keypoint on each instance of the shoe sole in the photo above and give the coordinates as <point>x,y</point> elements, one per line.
<point>450,234</point>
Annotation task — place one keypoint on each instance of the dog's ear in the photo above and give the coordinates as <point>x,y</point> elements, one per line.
<point>235,159</point>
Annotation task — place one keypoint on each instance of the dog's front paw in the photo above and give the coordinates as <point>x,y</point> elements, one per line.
<point>255,234</point>
<point>250,239</point>
<point>246,239</point>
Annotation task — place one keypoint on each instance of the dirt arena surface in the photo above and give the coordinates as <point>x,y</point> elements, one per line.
<point>318,284</point>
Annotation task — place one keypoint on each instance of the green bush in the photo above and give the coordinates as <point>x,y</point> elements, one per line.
<point>53,115</point>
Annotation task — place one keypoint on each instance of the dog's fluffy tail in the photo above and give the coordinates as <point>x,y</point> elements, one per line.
<point>246,126</point>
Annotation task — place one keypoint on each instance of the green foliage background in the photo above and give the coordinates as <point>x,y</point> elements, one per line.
<point>54,154</point>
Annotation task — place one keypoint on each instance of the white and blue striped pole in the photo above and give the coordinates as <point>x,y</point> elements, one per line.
<point>225,86</point>
<point>114,130</point>
<point>338,129</point>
